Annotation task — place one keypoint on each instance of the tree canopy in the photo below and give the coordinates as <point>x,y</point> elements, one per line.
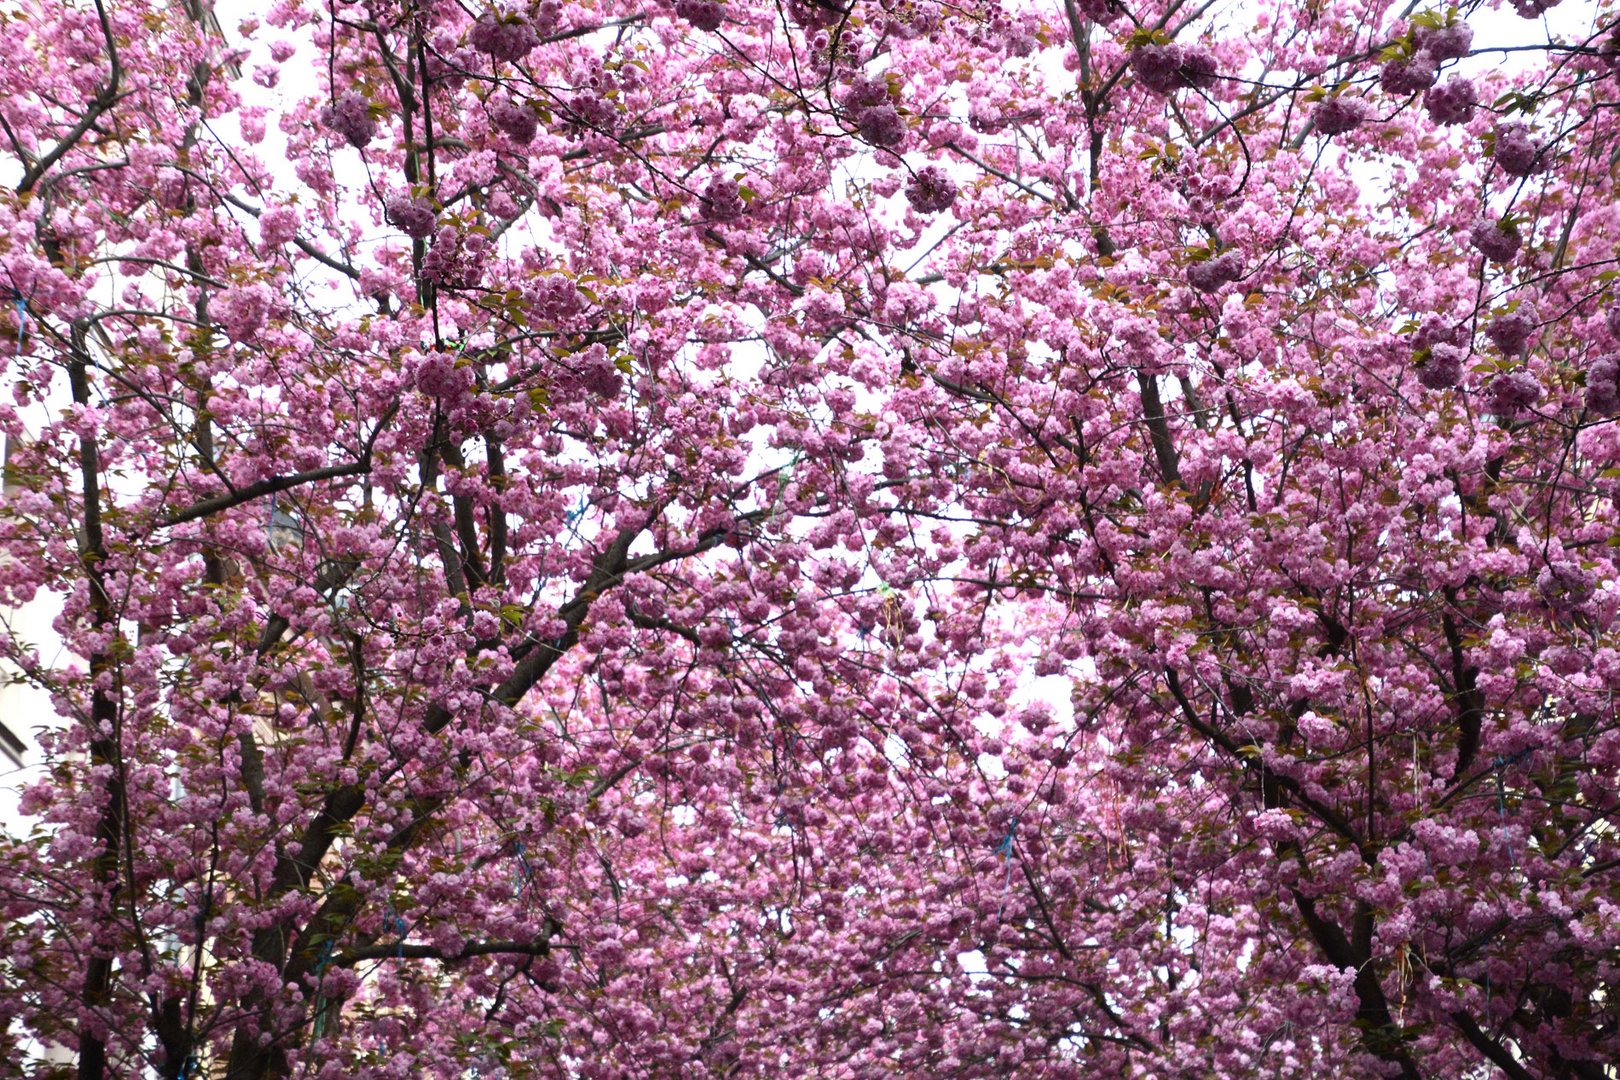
<point>793,537</point>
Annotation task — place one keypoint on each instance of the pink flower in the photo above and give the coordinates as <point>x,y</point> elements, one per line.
<point>1443,367</point>
<point>1494,240</point>
<point>931,190</point>
<point>1515,152</point>
<point>1157,67</point>
<point>1512,332</point>
<point>723,201</point>
<point>1603,385</point>
<point>517,121</point>
<point>1533,9</point>
<point>350,116</point>
<point>1211,274</point>
<point>1445,42</point>
<point>1101,12</point>
<point>1198,67</point>
<point>1402,77</point>
<point>242,311</point>
<point>503,37</point>
<point>706,15</point>
<point>1337,115</point>
<point>881,126</point>
<point>278,225</point>
<point>1565,584</point>
<point>1435,330</point>
<point>1452,102</point>
<point>1512,393</point>
<point>413,217</point>
<point>1167,68</point>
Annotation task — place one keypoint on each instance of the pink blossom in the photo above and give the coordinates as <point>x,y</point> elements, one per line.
<point>413,217</point>
<point>1451,102</point>
<point>242,310</point>
<point>931,190</point>
<point>1409,76</point>
<point>1443,367</point>
<point>1337,115</point>
<point>350,116</point>
<point>1515,151</point>
<point>1513,331</point>
<point>506,38</point>
<point>1494,240</point>
<point>706,15</point>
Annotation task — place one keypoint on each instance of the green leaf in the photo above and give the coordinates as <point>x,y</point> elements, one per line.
<point>1515,101</point>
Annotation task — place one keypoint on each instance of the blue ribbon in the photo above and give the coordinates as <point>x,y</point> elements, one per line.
<point>319,1025</point>
<point>1502,761</point>
<point>395,922</point>
<point>1501,809</point>
<point>1005,847</point>
<point>520,880</point>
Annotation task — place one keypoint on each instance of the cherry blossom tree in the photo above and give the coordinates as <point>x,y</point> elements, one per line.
<point>566,519</point>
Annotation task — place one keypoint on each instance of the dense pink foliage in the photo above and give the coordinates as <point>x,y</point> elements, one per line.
<point>559,510</point>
